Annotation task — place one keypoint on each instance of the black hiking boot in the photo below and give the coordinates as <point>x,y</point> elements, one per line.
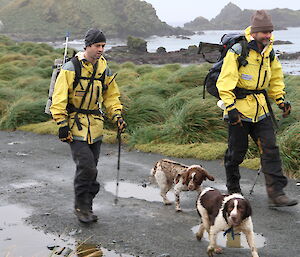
<point>84,216</point>
<point>94,216</point>
<point>282,201</point>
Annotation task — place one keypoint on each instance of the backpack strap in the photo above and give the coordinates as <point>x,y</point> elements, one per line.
<point>242,59</point>
<point>78,66</point>
<point>272,55</point>
<point>92,78</point>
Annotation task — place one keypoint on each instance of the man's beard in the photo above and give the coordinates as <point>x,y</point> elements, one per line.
<point>264,42</point>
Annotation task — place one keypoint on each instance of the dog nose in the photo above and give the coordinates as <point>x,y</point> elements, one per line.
<point>234,218</point>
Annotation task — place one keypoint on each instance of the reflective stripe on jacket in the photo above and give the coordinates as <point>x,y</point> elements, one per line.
<point>92,125</point>
<point>260,73</point>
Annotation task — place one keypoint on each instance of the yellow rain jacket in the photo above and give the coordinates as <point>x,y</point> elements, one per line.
<point>96,98</point>
<point>260,73</point>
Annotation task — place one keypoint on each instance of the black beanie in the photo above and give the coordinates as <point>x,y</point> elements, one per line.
<point>94,36</point>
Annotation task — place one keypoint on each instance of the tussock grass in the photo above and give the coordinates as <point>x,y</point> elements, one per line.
<point>290,149</point>
<point>24,111</point>
<point>203,151</point>
<point>190,76</point>
<point>50,127</point>
<point>12,57</point>
<point>155,89</point>
<point>172,67</point>
<point>9,71</point>
<point>128,65</point>
<point>127,77</point>
<point>6,41</point>
<point>253,163</point>
<point>157,75</point>
<point>143,69</point>
<point>145,111</point>
<point>177,101</point>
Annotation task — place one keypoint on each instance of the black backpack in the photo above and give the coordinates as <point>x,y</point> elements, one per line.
<point>227,41</point>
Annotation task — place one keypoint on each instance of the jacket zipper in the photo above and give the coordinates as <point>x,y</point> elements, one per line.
<point>98,94</point>
<point>264,79</point>
<point>261,64</point>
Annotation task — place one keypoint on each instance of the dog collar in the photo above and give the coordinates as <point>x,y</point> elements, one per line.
<point>230,230</point>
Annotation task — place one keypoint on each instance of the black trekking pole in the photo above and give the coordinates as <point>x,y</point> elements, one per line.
<point>252,189</point>
<point>118,167</point>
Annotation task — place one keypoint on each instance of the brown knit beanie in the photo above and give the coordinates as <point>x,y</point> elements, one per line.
<point>261,21</point>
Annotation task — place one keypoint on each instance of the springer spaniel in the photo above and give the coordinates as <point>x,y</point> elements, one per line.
<point>184,178</point>
<point>220,212</point>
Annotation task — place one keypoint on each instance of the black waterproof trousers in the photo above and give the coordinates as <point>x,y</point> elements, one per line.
<point>86,185</point>
<point>263,135</point>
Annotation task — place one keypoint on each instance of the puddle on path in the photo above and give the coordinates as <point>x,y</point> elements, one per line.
<point>27,184</point>
<point>238,242</point>
<point>127,190</point>
<point>18,239</point>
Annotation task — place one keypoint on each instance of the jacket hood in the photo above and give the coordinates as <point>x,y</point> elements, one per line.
<point>249,38</point>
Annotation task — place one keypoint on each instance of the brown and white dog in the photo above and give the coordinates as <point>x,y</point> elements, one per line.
<point>222,212</point>
<point>184,178</point>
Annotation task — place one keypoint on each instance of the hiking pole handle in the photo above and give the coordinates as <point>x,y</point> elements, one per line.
<point>66,47</point>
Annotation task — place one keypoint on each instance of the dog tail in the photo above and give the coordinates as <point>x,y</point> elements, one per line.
<point>153,170</point>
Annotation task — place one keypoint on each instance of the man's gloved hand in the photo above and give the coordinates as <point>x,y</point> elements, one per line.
<point>234,117</point>
<point>286,108</point>
<point>121,125</point>
<point>64,134</point>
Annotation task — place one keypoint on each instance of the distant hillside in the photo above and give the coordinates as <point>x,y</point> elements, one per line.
<point>50,19</point>
<point>233,17</point>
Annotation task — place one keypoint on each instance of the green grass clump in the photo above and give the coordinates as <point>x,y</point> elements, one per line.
<point>9,71</point>
<point>203,151</point>
<point>157,75</point>
<point>50,127</point>
<point>127,78</point>
<point>190,76</point>
<point>145,111</point>
<point>176,102</point>
<point>290,149</point>
<point>143,69</point>
<point>128,65</point>
<point>24,111</point>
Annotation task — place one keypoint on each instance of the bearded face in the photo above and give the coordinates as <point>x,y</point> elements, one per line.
<point>262,38</point>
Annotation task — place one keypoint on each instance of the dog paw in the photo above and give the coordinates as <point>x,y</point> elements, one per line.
<point>210,251</point>
<point>178,210</point>
<point>218,250</point>
<point>167,203</point>
<point>199,236</point>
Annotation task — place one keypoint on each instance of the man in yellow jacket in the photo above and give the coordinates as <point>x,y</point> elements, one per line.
<point>249,114</point>
<point>77,109</point>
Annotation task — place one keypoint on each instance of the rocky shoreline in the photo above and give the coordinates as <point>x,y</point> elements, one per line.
<point>121,54</point>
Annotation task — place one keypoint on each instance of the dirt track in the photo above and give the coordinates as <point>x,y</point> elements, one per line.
<point>134,226</point>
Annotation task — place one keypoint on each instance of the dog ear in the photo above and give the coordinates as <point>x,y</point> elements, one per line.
<point>248,209</point>
<point>185,178</point>
<point>211,178</point>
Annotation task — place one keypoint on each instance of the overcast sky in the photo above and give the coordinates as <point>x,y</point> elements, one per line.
<point>177,12</point>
